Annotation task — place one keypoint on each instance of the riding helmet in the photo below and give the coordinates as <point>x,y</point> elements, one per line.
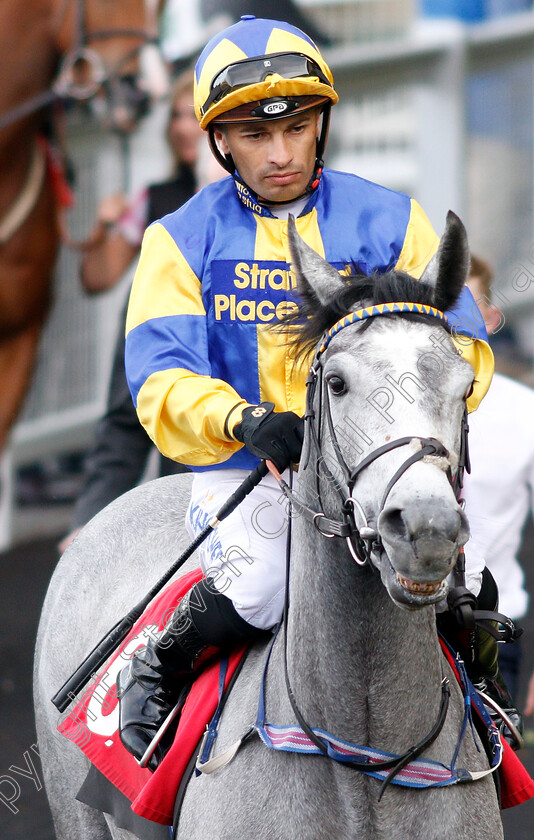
<point>261,69</point>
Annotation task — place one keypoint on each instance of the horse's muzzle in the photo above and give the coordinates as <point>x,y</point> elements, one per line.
<point>423,538</point>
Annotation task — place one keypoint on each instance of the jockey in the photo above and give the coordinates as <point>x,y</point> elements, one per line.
<point>214,387</point>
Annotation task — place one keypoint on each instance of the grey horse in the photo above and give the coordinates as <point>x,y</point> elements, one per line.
<point>362,651</point>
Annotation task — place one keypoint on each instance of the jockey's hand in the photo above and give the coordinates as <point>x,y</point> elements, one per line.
<point>274,435</point>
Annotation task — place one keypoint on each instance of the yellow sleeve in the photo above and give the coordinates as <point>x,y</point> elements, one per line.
<point>182,407</point>
<point>420,242</point>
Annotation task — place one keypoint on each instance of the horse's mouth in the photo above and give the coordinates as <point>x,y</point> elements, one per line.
<point>410,594</point>
<point>415,588</point>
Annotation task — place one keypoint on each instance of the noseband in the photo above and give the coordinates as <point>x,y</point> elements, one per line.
<point>362,540</point>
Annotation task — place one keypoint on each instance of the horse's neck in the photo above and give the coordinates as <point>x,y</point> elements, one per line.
<point>358,663</point>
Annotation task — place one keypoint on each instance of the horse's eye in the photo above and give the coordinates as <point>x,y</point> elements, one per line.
<point>336,385</point>
<point>469,391</point>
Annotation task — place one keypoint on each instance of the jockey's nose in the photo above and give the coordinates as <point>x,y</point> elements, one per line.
<point>279,150</point>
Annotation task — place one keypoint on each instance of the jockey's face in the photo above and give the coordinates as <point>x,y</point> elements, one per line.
<point>275,158</point>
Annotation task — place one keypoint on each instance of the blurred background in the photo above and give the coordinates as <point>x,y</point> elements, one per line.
<point>436,100</point>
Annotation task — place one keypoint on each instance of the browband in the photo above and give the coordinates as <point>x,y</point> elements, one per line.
<point>377,309</point>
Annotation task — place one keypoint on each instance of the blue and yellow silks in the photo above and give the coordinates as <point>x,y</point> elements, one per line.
<point>211,279</point>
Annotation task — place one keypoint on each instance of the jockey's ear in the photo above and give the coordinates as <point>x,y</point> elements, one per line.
<point>314,274</point>
<point>448,269</point>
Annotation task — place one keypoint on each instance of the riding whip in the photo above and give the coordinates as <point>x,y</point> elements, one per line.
<point>105,647</point>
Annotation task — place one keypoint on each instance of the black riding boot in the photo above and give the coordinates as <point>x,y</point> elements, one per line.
<point>487,678</point>
<point>479,651</point>
<point>150,685</point>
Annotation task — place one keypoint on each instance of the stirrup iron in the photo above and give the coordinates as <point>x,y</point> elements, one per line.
<point>489,701</point>
<point>145,758</point>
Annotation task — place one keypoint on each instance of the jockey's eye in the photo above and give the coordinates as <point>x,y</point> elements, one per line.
<point>336,384</point>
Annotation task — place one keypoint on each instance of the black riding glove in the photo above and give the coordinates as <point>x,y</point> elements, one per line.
<point>275,435</point>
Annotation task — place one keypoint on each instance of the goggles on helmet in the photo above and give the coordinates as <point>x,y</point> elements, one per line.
<point>253,70</point>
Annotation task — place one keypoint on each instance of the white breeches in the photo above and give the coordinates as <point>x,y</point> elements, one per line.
<point>245,554</point>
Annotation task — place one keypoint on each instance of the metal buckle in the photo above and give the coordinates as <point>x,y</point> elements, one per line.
<point>355,556</point>
<point>66,84</point>
<point>324,533</point>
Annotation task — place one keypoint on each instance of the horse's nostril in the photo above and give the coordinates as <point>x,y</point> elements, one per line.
<point>422,521</point>
<point>393,520</point>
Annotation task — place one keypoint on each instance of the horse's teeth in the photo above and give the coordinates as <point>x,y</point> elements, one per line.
<point>418,588</point>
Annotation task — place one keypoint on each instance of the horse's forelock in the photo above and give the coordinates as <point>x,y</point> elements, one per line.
<point>313,318</point>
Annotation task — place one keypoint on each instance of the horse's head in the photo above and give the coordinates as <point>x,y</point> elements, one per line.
<point>384,430</point>
<point>110,57</point>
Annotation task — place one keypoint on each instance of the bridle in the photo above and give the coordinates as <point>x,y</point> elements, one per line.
<point>364,541</point>
<point>81,53</point>
<point>361,539</point>
<point>389,765</point>
<point>65,86</point>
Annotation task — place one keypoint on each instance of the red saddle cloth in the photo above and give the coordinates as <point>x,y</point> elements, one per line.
<point>93,723</point>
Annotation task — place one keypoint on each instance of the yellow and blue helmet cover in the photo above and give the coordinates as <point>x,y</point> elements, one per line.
<point>249,39</point>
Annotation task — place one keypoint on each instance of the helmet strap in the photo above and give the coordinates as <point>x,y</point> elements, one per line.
<point>226,161</point>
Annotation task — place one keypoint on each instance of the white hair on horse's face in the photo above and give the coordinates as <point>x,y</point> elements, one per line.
<point>390,379</point>
<point>413,364</point>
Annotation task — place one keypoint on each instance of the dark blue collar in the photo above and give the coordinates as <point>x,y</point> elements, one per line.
<point>250,200</point>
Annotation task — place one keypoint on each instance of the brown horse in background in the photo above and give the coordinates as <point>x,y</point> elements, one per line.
<point>53,50</point>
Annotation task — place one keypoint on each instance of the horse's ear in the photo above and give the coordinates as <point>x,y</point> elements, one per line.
<point>448,269</point>
<point>313,272</point>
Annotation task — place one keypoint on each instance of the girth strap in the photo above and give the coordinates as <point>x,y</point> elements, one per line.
<point>408,769</point>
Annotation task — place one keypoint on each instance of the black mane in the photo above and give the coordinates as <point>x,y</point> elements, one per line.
<point>313,318</point>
